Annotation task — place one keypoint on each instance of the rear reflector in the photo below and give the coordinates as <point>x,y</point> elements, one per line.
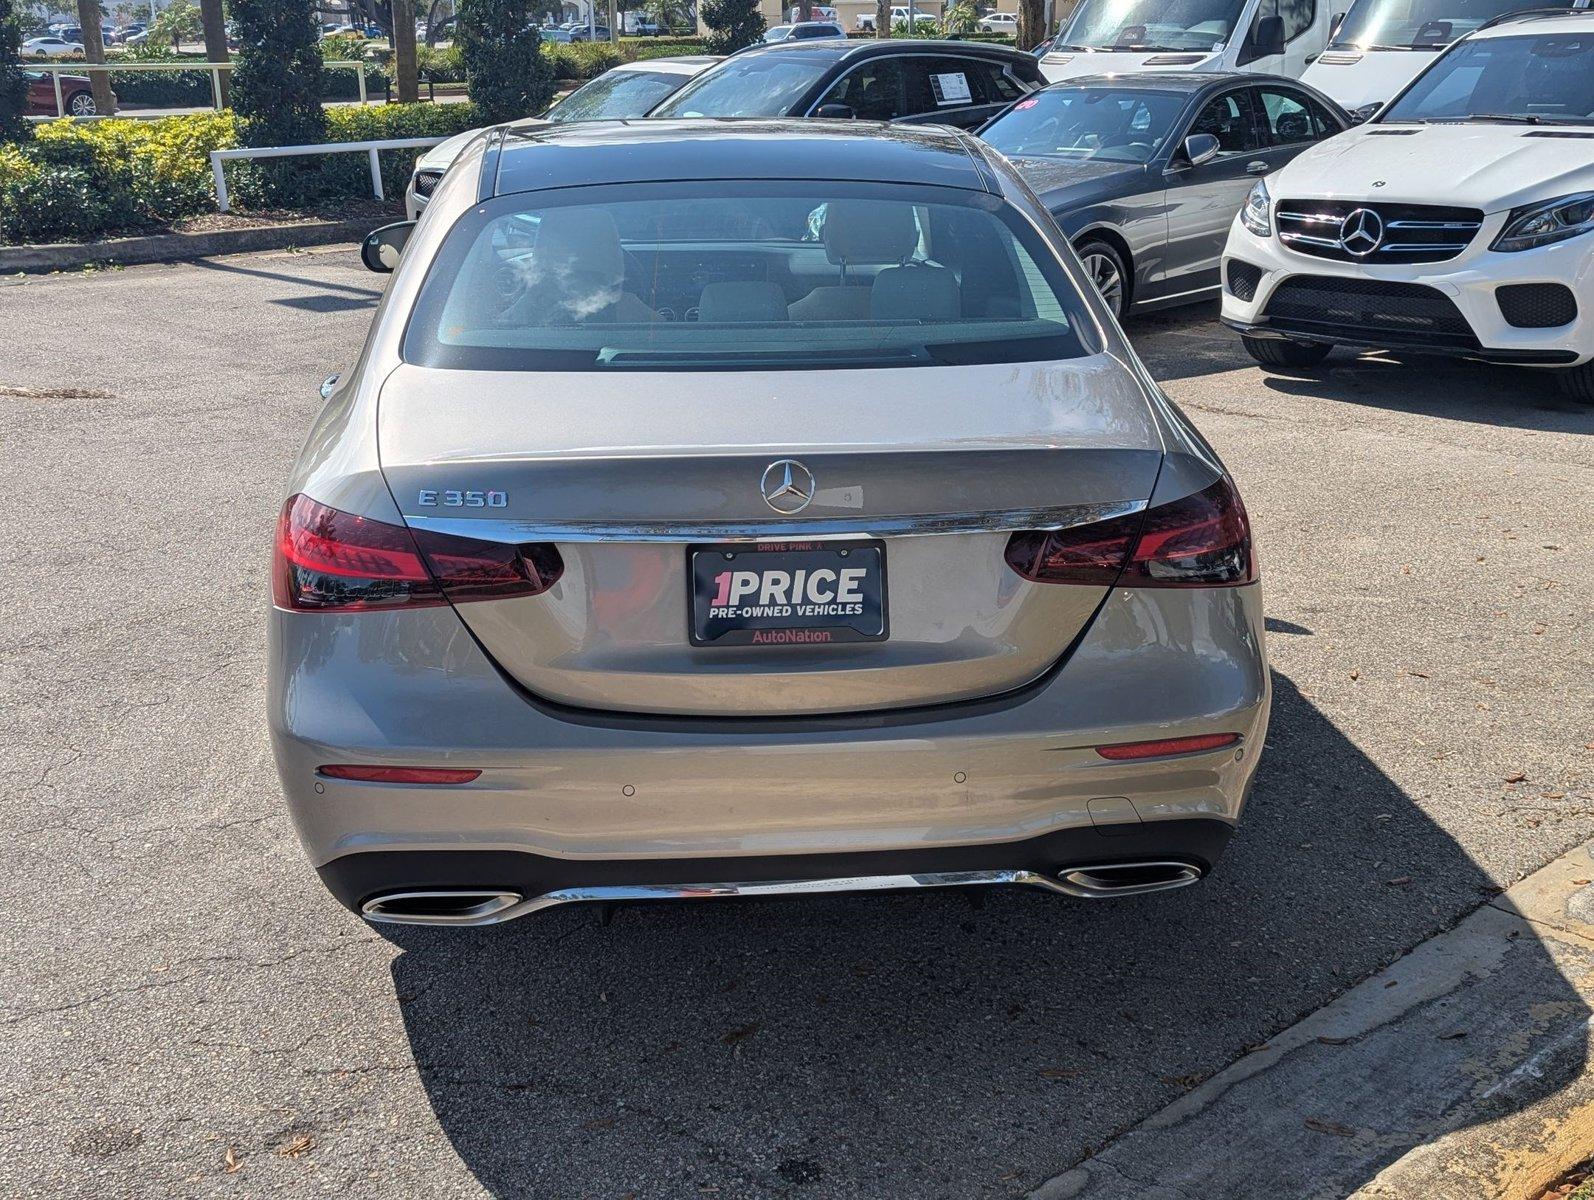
<point>1202,540</point>
<point>396,774</point>
<point>1167,746</point>
<point>332,561</point>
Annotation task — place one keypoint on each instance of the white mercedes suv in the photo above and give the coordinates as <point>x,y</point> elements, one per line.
<point>1454,222</point>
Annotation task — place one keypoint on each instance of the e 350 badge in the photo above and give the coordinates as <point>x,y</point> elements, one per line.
<point>449,498</point>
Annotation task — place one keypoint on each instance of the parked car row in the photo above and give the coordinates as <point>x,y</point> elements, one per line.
<point>1330,227</point>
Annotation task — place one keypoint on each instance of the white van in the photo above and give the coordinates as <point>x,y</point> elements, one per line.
<point>1381,45</point>
<point>899,16</point>
<point>1274,37</point>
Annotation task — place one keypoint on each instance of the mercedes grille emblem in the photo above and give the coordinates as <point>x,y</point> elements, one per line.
<point>787,485</point>
<point>1361,232</point>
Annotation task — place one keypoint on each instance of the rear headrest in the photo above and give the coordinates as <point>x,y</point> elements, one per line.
<point>751,300</point>
<point>578,242</point>
<point>869,231</point>
<point>916,293</point>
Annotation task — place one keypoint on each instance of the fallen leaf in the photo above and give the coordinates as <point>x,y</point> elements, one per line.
<point>740,1034</point>
<point>1517,777</point>
<point>1355,674</point>
<point>1182,1081</point>
<point>1418,674</point>
<point>1334,1041</point>
<point>1579,882</point>
<point>1398,881</point>
<point>1061,1072</point>
<point>231,1163</point>
<point>598,1123</point>
<point>1323,1125</point>
<point>1450,1037</point>
<point>300,1145</point>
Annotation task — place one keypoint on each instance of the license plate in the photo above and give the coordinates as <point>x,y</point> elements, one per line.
<point>788,593</point>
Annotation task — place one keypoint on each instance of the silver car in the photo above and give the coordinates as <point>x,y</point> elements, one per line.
<point>748,507</point>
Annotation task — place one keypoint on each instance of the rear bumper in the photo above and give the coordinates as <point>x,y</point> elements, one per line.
<point>579,797</point>
<point>522,883</point>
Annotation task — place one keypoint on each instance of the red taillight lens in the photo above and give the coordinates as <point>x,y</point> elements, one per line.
<point>332,561</point>
<point>1166,746</point>
<point>1203,540</point>
<point>397,774</point>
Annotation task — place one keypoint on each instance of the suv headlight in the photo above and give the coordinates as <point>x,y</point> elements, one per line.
<point>1254,216</point>
<point>1547,222</point>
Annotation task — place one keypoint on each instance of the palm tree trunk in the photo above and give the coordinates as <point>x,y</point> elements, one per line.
<point>88,16</point>
<point>1031,23</point>
<point>882,18</point>
<point>404,68</point>
<point>214,22</point>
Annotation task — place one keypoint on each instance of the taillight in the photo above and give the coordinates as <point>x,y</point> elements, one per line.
<point>332,561</point>
<point>1203,540</point>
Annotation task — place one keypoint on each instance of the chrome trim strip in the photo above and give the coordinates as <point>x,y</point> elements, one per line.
<point>1466,226</point>
<point>1085,883</point>
<point>503,529</point>
<point>1291,239</point>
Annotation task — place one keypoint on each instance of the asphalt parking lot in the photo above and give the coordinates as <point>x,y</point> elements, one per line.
<point>187,1012</point>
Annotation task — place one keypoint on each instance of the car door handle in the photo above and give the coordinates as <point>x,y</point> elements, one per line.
<point>1256,167</point>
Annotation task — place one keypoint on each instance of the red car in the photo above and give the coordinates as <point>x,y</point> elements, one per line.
<point>77,97</point>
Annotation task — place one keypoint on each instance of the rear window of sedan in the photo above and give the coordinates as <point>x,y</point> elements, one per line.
<point>726,276</point>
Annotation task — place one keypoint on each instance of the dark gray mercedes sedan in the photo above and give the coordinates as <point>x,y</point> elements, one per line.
<point>1145,172</point>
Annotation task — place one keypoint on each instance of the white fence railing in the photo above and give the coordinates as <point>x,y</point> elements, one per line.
<point>219,157</point>
<point>57,70</point>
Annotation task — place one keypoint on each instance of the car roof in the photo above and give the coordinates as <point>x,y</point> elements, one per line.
<point>848,49</point>
<point>685,64</point>
<point>1538,23</point>
<point>1167,81</point>
<point>750,148</point>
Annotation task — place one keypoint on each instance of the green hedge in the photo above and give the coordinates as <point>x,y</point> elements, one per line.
<point>581,60</point>
<point>76,182</point>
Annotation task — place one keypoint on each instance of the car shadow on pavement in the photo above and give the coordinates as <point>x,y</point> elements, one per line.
<point>1452,389</point>
<point>1188,342</point>
<point>925,1045</point>
<point>326,297</point>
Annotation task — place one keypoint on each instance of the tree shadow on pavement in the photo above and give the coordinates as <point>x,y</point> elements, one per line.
<point>922,1045</point>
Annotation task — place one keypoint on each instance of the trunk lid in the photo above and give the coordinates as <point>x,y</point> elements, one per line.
<point>625,472</point>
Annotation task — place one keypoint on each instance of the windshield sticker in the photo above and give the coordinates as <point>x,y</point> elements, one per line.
<point>1023,104</point>
<point>952,88</point>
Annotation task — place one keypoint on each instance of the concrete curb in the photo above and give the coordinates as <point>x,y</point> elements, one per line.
<point>177,247</point>
<point>1460,1072</point>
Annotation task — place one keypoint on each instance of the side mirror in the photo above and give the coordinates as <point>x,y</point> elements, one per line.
<point>1200,148</point>
<point>1334,23</point>
<point>835,112</point>
<point>1360,116</point>
<point>383,247</point>
<point>1269,37</point>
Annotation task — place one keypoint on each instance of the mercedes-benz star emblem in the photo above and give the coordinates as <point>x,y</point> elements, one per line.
<point>1361,232</point>
<point>787,485</point>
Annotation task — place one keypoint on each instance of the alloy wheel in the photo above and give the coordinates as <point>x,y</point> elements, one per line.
<point>1109,281</point>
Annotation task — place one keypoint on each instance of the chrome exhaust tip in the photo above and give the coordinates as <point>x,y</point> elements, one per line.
<point>440,908</point>
<point>1127,879</point>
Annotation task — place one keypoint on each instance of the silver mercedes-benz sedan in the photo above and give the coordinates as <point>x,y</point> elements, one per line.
<point>732,508</point>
